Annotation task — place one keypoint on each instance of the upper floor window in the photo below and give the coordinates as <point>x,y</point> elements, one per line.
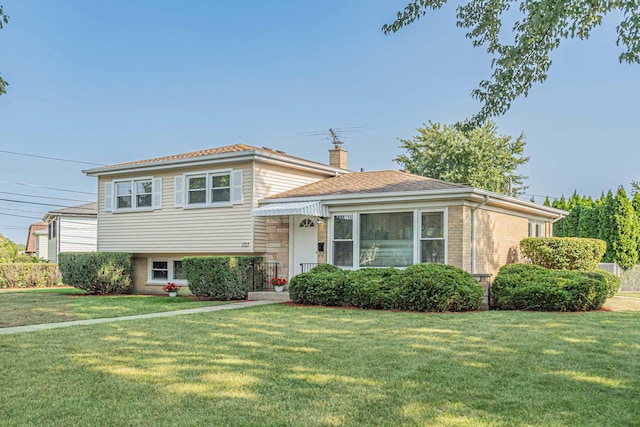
<point>133,194</point>
<point>52,229</point>
<point>214,188</point>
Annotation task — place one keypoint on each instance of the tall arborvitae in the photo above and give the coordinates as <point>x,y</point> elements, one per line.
<point>559,226</point>
<point>625,231</point>
<point>587,222</point>
<point>547,202</point>
<point>605,224</point>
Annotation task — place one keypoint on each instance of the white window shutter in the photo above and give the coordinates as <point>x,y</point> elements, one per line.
<point>108,196</point>
<point>236,191</point>
<point>156,193</point>
<point>179,191</point>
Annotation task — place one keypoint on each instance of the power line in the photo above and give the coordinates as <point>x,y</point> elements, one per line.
<point>20,210</point>
<point>33,203</point>
<point>47,188</point>
<point>21,216</point>
<point>51,158</point>
<point>45,197</point>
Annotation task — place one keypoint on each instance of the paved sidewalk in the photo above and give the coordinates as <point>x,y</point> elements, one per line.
<point>43,326</point>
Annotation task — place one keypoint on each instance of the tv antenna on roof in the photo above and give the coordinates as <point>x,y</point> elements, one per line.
<point>335,135</point>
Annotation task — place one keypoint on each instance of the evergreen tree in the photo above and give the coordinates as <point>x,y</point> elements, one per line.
<point>625,231</point>
<point>547,202</point>
<point>605,224</point>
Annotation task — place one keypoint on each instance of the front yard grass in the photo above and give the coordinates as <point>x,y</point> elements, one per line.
<point>34,306</point>
<point>283,365</point>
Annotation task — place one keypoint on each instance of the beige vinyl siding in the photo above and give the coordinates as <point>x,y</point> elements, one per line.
<point>226,229</point>
<point>78,234</point>
<point>270,180</point>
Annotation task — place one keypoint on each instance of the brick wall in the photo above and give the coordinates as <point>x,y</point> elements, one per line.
<point>498,238</point>
<point>459,237</point>
<point>278,243</point>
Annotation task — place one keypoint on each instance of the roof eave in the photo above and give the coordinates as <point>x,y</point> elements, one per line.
<point>213,159</point>
<point>467,193</point>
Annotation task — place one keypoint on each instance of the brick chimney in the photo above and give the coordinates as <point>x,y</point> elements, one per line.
<point>338,158</point>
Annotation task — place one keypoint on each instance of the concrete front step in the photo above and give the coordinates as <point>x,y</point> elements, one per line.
<point>269,296</point>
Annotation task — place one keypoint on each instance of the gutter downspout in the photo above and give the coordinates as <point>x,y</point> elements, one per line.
<point>473,233</point>
<point>553,222</point>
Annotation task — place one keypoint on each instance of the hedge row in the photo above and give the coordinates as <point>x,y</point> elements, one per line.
<point>531,287</point>
<point>28,275</point>
<point>421,287</point>
<point>97,272</point>
<point>220,277</point>
<point>564,253</point>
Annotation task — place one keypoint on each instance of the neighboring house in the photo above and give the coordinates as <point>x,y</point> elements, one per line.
<point>72,229</point>
<point>243,200</point>
<point>37,240</point>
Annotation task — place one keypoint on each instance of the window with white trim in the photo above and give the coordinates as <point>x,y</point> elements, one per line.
<point>432,242</point>
<point>343,240</point>
<point>536,229</point>
<point>162,271</point>
<point>209,189</point>
<point>133,194</point>
<point>388,239</point>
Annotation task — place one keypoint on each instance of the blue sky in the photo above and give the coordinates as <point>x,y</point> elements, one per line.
<point>108,82</point>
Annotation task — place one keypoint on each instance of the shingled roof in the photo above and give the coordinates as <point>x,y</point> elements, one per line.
<point>389,181</point>
<point>196,155</point>
<point>88,209</point>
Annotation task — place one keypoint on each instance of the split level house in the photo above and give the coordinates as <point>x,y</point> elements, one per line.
<point>72,229</point>
<point>244,200</point>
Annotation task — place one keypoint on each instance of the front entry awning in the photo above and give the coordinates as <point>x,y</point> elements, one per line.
<point>292,208</point>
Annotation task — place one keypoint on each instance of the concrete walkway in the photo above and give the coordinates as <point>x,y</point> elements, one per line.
<point>43,326</point>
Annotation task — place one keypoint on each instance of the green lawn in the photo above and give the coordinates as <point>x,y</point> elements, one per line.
<point>282,365</point>
<point>33,306</point>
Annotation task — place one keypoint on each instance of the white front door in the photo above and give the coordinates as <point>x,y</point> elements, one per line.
<point>305,242</point>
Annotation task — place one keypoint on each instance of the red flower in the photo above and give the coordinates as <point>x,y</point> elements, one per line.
<point>171,287</point>
<point>278,281</point>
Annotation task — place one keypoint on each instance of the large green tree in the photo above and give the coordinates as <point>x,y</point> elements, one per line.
<point>478,157</point>
<point>625,232</point>
<point>4,19</point>
<point>522,56</point>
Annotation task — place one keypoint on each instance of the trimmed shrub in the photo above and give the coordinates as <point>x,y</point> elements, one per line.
<point>438,287</point>
<point>28,275</point>
<point>325,268</point>
<point>319,288</point>
<point>219,277</point>
<point>613,282</point>
<point>372,288</point>
<point>531,287</point>
<point>564,253</point>
<point>97,272</point>
<point>422,287</point>
<point>27,258</point>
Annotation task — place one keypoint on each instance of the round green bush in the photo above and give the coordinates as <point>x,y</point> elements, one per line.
<point>372,288</point>
<point>531,287</point>
<point>97,272</point>
<point>438,287</point>
<point>564,253</point>
<point>319,288</point>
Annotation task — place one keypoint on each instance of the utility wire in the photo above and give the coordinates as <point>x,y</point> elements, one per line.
<point>33,203</point>
<point>20,210</point>
<point>51,158</point>
<point>45,197</point>
<point>48,188</point>
<point>21,216</point>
